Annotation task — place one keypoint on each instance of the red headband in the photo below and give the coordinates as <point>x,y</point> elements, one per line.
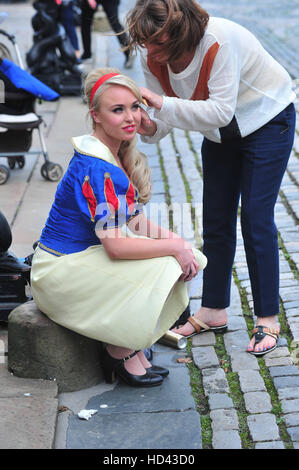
<point>100,82</point>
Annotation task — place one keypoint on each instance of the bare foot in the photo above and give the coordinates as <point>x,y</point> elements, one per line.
<point>268,342</point>
<point>210,316</point>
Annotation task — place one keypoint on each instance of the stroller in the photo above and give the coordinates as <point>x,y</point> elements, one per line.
<point>18,93</point>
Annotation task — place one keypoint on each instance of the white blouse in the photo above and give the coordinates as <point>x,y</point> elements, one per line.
<point>245,83</point>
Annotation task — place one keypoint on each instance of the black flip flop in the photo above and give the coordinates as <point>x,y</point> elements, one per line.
<point>259,333</point>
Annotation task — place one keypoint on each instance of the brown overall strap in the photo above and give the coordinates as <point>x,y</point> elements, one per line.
<point>201,91</point>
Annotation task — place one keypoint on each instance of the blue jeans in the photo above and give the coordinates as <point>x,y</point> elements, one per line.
<point>68,21</point>
<point>250,169</point>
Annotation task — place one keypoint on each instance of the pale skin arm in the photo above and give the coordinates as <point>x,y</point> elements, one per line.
<point>141,225</point>
<point>118,246</point>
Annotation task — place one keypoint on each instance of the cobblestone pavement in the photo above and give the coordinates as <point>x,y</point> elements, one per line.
<point>275,23</point>
<point>244,402</point>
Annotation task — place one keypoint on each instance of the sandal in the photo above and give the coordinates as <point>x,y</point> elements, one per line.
<point>259,333</point>
<point>201,327</point>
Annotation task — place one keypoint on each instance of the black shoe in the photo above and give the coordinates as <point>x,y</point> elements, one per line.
<point>146,380</point>
<point>86,57</point>
<point>10,263</point>
<point>158,370</point>
<point>112,367</point>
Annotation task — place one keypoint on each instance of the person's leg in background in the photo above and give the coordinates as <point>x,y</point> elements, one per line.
<point>110,8</point>
<point>265,157</point>
<point>86,25</point>
<point>68,21</point>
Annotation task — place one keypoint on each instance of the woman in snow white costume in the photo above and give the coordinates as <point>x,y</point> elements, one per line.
<point>90,275</point>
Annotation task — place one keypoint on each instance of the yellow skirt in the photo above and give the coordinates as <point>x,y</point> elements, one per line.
<point>129,303</point>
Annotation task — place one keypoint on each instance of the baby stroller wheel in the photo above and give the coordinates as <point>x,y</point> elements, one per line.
<point>51,171</point>
<point>4,52</point>
<point>4,174</point>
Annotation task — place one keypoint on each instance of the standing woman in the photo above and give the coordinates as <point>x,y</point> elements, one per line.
<point>110,7</point>
<point>88,274</point>
<point>211,75</point>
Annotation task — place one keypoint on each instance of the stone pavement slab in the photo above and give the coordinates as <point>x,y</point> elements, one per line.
<point>163,430</point>
<point>134,418</point>
<point>27,423</point>
<point>263,427</point>
<point>28,412</point>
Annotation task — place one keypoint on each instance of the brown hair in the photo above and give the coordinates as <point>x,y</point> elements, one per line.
<point>183,21</point>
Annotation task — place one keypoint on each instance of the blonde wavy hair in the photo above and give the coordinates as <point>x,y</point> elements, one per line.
<point>135,162</point>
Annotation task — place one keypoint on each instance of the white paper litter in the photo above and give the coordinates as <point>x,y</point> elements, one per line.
<point>86,414</point>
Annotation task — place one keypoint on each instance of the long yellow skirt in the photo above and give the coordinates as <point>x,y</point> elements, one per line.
<point>129,303</point>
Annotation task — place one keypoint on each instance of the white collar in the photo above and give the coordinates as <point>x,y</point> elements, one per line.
<point>90,145</point>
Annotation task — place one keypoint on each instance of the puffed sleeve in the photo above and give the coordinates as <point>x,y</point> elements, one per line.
<point>106,197</point>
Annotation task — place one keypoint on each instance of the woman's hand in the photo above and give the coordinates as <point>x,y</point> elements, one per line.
<point>153,100</point>
<point>93,4</point>
<point>187,261</point>
<point>147,126</point>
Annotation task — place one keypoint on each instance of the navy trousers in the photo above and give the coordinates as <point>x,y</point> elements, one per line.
<point>110,8</point>
<point>249,169</point>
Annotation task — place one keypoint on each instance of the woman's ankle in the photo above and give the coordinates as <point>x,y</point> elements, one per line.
<point>132,365</point>
<point>212,316</point>
<point>269,321</point>
<point>118,352</point>
<point>143,360</point>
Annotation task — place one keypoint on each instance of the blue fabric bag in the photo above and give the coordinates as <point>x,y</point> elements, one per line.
<point>24,81</point>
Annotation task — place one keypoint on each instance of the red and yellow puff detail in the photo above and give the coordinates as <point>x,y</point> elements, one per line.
<point>130,198</point>
<point>110,194</point>
<point>90,197</point>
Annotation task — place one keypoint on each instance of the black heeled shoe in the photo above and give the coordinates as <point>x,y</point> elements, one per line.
<point>157,370</point>
<point>109,365</point>
<point>112,367</point>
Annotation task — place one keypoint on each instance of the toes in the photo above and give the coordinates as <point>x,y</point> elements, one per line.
<point>184,330</point>
<point>264,346</point>
<point>250,346</point>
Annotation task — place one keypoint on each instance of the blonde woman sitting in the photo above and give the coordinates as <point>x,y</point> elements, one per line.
<point>88,274</point>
